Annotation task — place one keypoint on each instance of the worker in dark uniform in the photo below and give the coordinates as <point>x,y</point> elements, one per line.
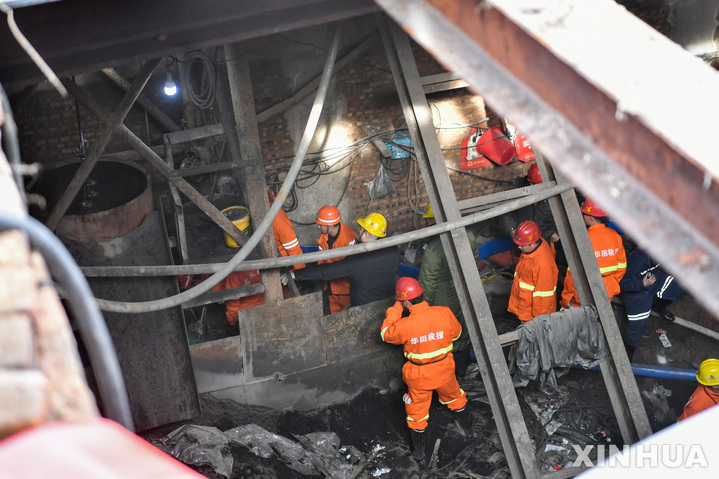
<point>371,274</point>
<point>645,286</point>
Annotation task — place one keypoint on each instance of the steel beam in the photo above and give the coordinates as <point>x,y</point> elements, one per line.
<point>480,325</point>
<point>106,31</point>
<point>251,175</point>
<point>600,110</point>
<point>616,370</point>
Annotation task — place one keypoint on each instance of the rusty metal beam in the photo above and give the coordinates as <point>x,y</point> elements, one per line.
<point>251,175</point>
<point>148,105</point>
<point>478,317</point>
<point>601,110</point>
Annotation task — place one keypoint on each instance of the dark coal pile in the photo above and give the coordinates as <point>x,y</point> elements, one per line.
<point>373,441</point>
<point>374,424</point>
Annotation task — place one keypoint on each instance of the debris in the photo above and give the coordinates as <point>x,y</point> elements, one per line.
<point>199,446</point>
<point>379,472</point>
<point>660,408</point>
<point>435,452</point>
<point>314,453</point>
<point>665,340</point>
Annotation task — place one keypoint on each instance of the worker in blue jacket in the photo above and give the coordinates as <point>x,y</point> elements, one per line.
<point>644,286</point>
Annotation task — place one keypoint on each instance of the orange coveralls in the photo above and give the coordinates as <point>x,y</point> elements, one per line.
<point>702,398</point>
<point>427,335</point>
<point>534,289</point>
<point>235,279</point>
<point>612,260</point>
<point>339,289</point>
<point>285,236</point>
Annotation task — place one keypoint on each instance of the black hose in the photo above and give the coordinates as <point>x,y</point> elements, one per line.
<point>82,303</point>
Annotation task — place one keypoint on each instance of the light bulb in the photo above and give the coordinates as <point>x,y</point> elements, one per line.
<point>170,87</point>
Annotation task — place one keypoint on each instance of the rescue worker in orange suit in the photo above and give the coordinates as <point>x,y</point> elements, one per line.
<point>334,234</point>
<point>285,236</point>
<point>234,280</point>
<point>427,334</point>
<point>608,250</point>
<point>534,288</point>
<point>287,243</point>
<point>706,394</point>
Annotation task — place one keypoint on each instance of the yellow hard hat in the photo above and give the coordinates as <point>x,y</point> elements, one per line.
<point>375,224</point>
<point>708,373</point>
<point>429,213</point>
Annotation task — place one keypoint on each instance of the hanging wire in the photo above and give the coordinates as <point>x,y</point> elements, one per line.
<point>199,79</point>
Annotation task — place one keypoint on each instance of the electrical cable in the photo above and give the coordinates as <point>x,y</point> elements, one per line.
<point>92,325</point>
<point>253,240</point>
<point>207,78</point>
<point>496,180</point>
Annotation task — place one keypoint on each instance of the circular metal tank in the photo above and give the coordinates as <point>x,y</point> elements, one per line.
<point>114,200</point>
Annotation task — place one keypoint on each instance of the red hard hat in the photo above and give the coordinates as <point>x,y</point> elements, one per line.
<point>328,215</point>
<point>590,208</point>
<point>407,289</point>
<point>527,233</point>
<point>533,175</point>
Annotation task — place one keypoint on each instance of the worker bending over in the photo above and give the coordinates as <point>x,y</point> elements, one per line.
<point>426,334</point>
<point>371,274</point>
<point>534,288</point>
<point>334,234</point>
<point>608,251</point>
<point>285,236</point>
<point>706,394</point>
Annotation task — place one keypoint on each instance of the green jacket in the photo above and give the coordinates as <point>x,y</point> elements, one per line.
<point>436,280</point>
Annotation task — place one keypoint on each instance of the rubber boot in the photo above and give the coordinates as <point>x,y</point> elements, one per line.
<point>660,306</point>
<point>419,444</point>
<point>630,350</point>
<point>463,420</point>
<point>461,360</point>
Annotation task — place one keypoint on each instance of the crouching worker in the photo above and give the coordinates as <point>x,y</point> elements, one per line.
<point>706,394</point>
<point>426,334</point>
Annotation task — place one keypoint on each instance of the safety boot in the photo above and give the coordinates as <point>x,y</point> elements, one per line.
<point>661,307</point>
<point>463,420</point>
<point>419,443</point>
<point>631,348</point>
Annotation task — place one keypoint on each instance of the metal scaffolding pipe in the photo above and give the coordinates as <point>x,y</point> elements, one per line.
<point>271,263</point>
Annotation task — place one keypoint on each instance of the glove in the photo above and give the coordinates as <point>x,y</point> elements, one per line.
<point>285,278</point>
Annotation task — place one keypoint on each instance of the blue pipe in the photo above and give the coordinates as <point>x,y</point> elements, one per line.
<point>650,371</point>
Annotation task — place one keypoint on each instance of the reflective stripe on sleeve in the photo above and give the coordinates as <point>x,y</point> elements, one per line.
<point>545,294</point>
